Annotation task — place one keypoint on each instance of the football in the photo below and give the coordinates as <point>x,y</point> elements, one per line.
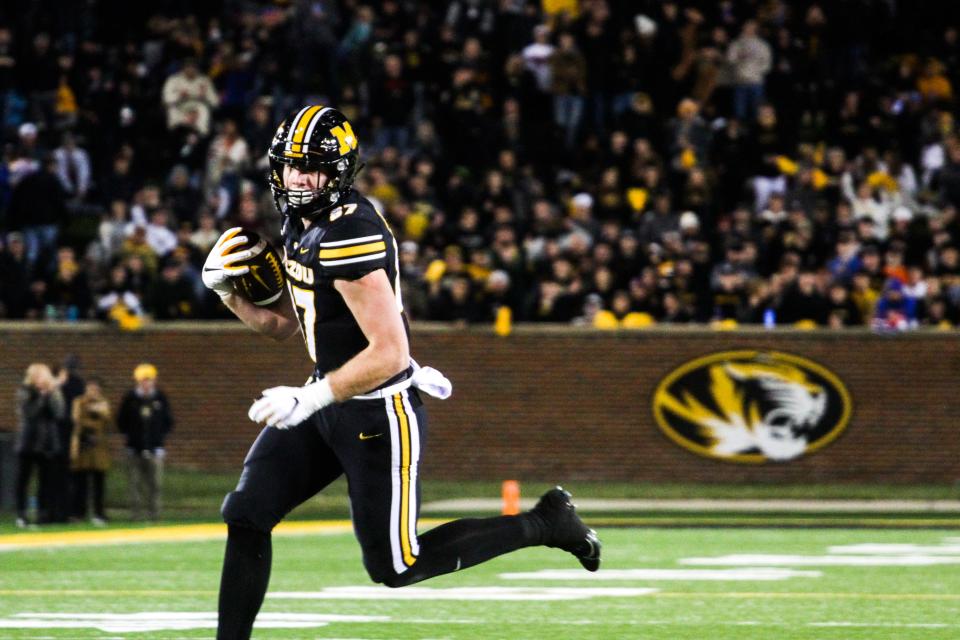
<point>263,284</point>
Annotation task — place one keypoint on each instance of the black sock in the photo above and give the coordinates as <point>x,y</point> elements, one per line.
<point>246,573</point>
<point>470,541</point>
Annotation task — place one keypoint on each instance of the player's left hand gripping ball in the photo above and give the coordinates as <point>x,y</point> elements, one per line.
<point>284,407</point>
<point>243,262</point>
<point>263,284</point>
<point>222,261</point>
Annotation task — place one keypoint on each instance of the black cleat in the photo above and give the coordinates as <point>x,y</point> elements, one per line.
<point>565,530</point>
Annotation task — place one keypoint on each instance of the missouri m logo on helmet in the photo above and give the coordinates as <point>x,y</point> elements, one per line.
<point>752,406</point>
<point>315,138</point>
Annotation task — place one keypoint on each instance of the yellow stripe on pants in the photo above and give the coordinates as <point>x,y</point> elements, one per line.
<point>404,427</point>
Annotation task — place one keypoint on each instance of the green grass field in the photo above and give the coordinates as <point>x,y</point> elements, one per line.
<point>191,496</point>
<point>902,592</point>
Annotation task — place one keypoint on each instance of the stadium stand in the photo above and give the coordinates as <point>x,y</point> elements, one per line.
<point>606,163</point>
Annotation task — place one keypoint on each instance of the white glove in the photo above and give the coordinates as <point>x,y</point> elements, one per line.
<point>284,407</point>
<point>219,267</point>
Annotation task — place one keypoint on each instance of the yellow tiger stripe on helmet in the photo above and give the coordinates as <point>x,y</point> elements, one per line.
<point>303,125</point>
<point>404,428</point>
<point>298,129</point>
<point>360,249</point>
<point>295,121</point>
<point>299,126</point>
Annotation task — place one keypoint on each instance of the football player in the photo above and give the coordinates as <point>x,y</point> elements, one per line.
<point>361,413</point>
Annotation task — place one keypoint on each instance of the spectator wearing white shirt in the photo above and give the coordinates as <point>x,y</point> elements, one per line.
<point>775,212</point>
<point>228,156</point>
<point>159,236</point>
<point>536,56</point>
<point>113,230</point>
<point>877,207</point>
<point>73,167</point>
<point>189,97</point>
<point>157,233</point>
<point>751,60</point>
<point>145,200</point>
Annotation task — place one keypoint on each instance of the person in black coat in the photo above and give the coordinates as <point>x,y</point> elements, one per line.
<point>57,487</point>
<point>72,386</point>
<point>38,207</point>
<point>803,301</point>
<point>40,409</point>
<point>146,419</point>
<point>16,275</point>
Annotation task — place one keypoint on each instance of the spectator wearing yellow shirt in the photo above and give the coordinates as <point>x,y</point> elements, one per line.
<point>569,9</point>
<point>933,84</point>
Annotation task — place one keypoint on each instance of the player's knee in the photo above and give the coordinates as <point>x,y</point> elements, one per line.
<point>378,573</point>
<point>382,572</point>
<point>235,509</point>
<point>393,579</point>
<point>240,510</point>
<point>396,580</point>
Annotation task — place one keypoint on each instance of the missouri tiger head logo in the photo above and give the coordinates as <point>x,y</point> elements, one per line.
<point>752,406</point>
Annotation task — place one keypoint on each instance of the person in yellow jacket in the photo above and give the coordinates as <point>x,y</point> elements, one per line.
<point>89,453</point>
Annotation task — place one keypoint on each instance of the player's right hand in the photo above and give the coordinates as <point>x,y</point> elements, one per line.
<point>284,407</point>
<point>221,261</point>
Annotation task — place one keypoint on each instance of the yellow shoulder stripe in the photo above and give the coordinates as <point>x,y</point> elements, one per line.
<point>360,249</point>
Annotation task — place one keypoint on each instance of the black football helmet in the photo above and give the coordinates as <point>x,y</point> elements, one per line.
<point>315,138</point>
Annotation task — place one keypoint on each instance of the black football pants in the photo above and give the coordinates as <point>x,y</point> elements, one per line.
<point>377,444</point>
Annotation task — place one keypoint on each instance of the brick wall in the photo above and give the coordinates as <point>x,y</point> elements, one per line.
<point>540,405</point>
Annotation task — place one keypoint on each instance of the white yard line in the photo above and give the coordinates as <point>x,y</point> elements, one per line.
<point>752,574</point>
<point>182,621</point>
<point>773,560</point>
<point>463,593</point>
<point>883,549</point>
<point>587,505</point>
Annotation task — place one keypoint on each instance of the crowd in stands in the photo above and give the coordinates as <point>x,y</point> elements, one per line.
<point>598,162</point>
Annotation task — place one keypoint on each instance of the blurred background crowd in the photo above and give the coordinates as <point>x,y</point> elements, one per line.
<point>598,162</point>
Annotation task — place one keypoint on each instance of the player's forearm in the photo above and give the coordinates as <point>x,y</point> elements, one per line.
<point>368,370</point>
<point>276,321</point>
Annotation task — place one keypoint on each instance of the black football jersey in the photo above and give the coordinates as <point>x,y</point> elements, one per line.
<point>345,243</point>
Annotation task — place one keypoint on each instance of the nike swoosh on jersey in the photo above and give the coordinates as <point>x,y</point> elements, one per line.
<point>364,436</point>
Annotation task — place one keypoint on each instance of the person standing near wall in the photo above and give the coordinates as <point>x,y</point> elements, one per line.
<point>89,453</point>
<point>40,408</point>
<point>61,490</point>
<point>146,419</point>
